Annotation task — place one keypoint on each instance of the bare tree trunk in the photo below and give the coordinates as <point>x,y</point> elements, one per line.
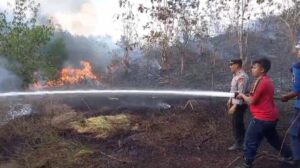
<point>213,72</point>
<point>291,21</point>
<point>293,39</point>
<point>241,33</point>
<point>165,54</point>
<point>165,47</point>
<point>243,43</point>
<point>241,47</point>
<point>164,58</point>
<point>126,60</point>
<point>182,61</point>
<point>182,64</point>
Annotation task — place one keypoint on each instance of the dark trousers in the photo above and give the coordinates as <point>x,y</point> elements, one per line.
<point>238,126</point>
<point>295,134</point>
<point>257,130</point>
<point>295,145</point>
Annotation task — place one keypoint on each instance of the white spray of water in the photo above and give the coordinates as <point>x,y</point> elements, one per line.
<point>121,92</point>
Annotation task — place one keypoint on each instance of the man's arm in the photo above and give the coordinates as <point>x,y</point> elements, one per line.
<point>289,96</point>
<point>242,84</point>
<point>247,99</point>
<point>257,94</point>
<point>229,102</point>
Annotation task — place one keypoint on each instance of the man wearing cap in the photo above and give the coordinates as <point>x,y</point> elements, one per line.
<point>237,107</point>
<point>294,130</point>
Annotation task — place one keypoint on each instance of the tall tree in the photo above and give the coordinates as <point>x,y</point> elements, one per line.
<point>190,27</point>
<point>129,37</point>
<point>169,22</point>
<point>238,14</point>
<point>291,19</point>
<point>160,27</point>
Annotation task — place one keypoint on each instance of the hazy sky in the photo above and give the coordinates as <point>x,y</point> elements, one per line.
<point>84,17</point>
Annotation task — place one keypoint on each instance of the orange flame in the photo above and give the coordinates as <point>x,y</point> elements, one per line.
<point>69,76</point>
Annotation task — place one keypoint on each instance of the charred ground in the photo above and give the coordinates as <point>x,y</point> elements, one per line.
<point>109,134</point>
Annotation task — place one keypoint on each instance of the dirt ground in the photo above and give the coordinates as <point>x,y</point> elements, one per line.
<point>190,135</point>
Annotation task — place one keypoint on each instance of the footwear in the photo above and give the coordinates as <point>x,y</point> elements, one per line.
<point>244,165</point>
<point>235,147</point>
<point>297,163</point>
<point>287,160</point>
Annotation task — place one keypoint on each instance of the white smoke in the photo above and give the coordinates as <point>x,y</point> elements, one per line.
<point>83,17</point>
<point>8,80</point>
<point>97,50</point>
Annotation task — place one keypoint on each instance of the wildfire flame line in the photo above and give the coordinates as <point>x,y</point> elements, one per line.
<point>69,76</point>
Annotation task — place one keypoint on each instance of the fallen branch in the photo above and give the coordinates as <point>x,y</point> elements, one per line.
<point>287,132</point>
<point>113,158</point>
<point>268,156</point>
<point>86,104</point>
<point>231,163</point>
<point>189,102</point>
<point>206,139</point>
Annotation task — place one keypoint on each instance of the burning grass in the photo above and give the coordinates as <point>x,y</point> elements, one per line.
<point>70,76</point>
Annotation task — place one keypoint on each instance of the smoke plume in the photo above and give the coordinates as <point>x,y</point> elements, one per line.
<point>8,80</point>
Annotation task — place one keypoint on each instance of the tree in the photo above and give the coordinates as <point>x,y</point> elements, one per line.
<point>129,37</point>
<point>160,27</point>
<point>191,26</point>
<point>291,19</point>
<point>239,14</point>
<point>170,22</point>
<point>22,38</point>
<point>55,54</point>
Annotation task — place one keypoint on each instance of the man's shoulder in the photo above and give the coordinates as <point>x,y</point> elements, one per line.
<point>296,65</point>
<point>243,74</point>
<point>266,80</point>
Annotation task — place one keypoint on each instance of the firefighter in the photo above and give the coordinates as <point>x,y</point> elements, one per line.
<point>294,130</point>
<point>264,115</point>
<point>237,107</point>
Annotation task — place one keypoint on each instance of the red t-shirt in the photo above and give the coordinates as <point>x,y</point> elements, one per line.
<point>264,107</point>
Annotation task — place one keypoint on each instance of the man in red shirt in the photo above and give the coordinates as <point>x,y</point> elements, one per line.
<point>264,113</point>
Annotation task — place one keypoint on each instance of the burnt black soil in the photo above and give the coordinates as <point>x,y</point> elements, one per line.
<point>195,134</point>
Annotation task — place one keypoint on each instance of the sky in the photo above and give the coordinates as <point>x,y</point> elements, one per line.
<point>87,17</point>
<point>84,17</point>
<point>81,17</point>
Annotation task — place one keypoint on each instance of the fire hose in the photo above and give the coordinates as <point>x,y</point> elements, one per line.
<point>194,93</point>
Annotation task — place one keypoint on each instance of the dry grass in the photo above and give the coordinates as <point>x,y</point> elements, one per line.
<point>34,141</point>
<point>57,136</point>
<point>103,126</point>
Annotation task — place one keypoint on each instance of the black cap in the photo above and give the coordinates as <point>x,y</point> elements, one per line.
<point>236,61</point>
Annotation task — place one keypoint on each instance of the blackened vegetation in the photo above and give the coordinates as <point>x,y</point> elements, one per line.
<point>194,133</point>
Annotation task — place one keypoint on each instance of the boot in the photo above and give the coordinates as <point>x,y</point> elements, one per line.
<point>246,164</point>
<point>297,164</point>
<point>287,160</point>
<point>235,147</point>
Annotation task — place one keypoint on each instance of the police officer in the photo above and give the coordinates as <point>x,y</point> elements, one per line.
<point>294,130</point>
<point>238,107</point>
